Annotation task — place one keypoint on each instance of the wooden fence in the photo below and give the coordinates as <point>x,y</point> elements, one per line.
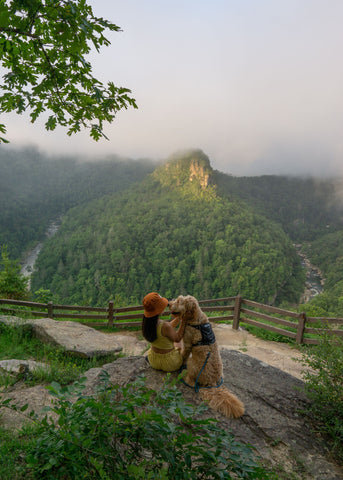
<point>297,326</point>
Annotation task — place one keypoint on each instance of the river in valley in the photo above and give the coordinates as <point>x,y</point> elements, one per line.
<point>314,284</point>
<point>28,263</point>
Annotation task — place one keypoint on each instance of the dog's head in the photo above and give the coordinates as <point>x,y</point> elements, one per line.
<point>185,306</point>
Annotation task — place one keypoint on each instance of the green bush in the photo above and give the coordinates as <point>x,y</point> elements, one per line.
<point>133,432</point>
<point>324,387</point>
<point>12,283</point>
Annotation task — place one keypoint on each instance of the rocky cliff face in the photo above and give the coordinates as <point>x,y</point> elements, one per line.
<point>187,168</point>
<point>199,173</point>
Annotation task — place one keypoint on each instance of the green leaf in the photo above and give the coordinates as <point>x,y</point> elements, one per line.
<point>4,15</point>
<point>49,72</point>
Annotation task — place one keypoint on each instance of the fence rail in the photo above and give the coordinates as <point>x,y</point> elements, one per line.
<point>257,315</point>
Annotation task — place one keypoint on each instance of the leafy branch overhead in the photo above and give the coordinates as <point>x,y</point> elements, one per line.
<point>43,48</point>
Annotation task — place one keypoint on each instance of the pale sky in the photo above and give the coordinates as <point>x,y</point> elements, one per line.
<point>256,84</point>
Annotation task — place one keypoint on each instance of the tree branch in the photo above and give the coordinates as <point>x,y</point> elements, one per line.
<point>18,31</point>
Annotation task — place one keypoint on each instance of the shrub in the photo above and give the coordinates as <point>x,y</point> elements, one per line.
<point>133,432</point>
<point>324,387</point>
<point>12,283</point>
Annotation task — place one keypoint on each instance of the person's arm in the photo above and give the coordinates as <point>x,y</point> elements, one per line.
<point>169,331</point>
<point>174,323</point>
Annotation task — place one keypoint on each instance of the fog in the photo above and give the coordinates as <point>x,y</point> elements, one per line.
<point>256,85</point>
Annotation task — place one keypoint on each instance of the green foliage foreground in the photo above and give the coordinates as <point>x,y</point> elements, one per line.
<point>133,432</point>
<point>44,48</point>
<point>324,387</point>
<point>12,283</point>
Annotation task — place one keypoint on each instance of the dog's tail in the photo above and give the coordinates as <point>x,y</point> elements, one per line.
<point>223,401</point>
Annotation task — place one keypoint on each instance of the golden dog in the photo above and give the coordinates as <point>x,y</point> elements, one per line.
<point>204,365</point>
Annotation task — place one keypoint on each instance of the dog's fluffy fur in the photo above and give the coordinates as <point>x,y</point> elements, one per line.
<point>218,398</point>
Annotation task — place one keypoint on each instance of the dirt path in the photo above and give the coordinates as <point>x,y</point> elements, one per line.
<point>280,355</point>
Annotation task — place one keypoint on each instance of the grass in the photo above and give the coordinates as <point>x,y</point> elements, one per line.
<point>267,335</point>
<point>13,448</point>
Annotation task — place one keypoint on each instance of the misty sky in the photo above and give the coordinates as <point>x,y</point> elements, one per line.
<point>256,84</point>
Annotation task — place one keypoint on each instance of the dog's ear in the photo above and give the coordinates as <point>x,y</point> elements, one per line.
<point>190,304</point>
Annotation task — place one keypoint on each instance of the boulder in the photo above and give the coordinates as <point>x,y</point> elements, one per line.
<point>77,339</point>
<point>36,398</point>
<point>20,366</point>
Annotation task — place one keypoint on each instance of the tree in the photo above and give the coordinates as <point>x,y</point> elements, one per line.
<point>12,283</point>
<point>43,44</point>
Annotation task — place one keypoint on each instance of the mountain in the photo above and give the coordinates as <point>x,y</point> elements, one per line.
<point>174,232</point>
<point>34,190</point>
<point>327,252</point>
<point>306,208</point>
<point>133,226</point>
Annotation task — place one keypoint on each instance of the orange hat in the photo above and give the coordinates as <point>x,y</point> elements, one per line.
<point>154,304</point>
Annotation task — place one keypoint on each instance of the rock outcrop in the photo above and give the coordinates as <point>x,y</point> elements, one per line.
<point>15,366</point>
<point>185,168</point>
<point>75,338</point>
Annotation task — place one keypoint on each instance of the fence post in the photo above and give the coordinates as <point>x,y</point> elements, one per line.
<point>50,310</point>
<point>110,313</point>
<point>301,327</point>
<point>237,312</point>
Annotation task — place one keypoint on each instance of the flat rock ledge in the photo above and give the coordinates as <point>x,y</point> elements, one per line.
<point>272,423</point>
<point>77,339</point>
<point>21,366</point>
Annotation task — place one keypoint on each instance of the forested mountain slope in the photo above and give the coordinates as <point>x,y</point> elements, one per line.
<point>306,208</point>
<point>34,190</point>
<point>310,211</point>
<point>173,233</point>
<point>327,252</point>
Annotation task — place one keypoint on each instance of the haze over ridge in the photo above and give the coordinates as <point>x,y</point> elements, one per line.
<point>257,86</point>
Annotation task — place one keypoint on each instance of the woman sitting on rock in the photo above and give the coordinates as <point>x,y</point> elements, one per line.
<point>166,347</point>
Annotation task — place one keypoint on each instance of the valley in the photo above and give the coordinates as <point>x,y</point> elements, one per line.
<point>176,227</point>
<point>29,258</point>
<point>314,283</point>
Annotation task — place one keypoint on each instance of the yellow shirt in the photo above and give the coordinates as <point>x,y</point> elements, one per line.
<point>161,341</point>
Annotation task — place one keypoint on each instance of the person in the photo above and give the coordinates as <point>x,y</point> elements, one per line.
<point>165,352</point>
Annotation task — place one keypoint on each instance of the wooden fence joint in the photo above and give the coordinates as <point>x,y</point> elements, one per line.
<point>301,328</point>
<point>237,312</point>
<point>50,310</point>
<point>110,313</point>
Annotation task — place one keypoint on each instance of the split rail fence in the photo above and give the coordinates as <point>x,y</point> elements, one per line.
<point>297,326</point>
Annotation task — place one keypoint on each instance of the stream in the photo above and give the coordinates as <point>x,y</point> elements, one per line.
<point>314,284</point>
<point>28,263</point>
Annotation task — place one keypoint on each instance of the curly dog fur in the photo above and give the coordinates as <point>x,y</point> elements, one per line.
<point>218,398</point>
